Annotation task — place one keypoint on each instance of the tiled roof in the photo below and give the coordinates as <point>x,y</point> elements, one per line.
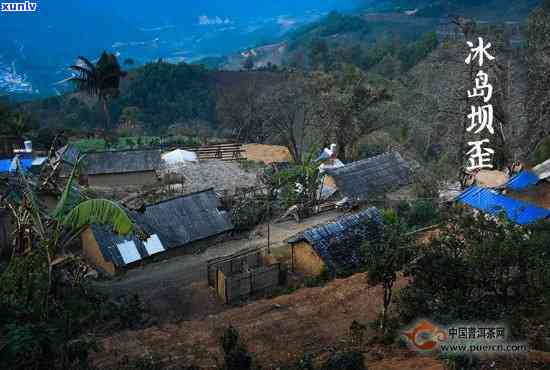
<point>339,242</point>
<point>377,175</point>
<point>127,161</point>
<point>176,222</point>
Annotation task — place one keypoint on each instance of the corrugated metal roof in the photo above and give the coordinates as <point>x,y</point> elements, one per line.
<point>7,165</point>
<point>376,175</point>
<point>522,180</point>
<point>173,223</point>
<point>339,242</point>
<point>127,161</point>
<point>493,203</point>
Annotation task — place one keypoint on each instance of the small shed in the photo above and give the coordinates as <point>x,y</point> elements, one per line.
<point>122,168</point>
<point>336,245</point>
<point>363,180</point>
<point>243,275</point>
<point>176,223</point>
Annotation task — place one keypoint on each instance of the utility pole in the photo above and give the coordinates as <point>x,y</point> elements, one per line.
<point>269,221</point>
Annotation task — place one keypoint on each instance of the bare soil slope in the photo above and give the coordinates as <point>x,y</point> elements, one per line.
<point>267,153</point>
<point>277,331</point>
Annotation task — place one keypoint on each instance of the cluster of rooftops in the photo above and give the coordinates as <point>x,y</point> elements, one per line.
<point>184,220</point>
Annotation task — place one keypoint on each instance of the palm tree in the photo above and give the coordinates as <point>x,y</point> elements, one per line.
<point>101,79</point>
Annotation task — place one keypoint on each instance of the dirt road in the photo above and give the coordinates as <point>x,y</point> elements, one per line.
<point>176,287</point>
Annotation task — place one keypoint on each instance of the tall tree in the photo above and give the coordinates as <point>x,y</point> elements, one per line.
<point>238,109</point>
<point>538,99</point>
<point>385,258</point>
<point>345,107</point>
<point>101,79</point>
<point>288,113</point>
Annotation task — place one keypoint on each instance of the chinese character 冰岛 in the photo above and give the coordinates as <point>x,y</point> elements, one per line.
<point>483,87</point>
<point>480,157</point>
<point>482,117</point>
<point>480,52</point>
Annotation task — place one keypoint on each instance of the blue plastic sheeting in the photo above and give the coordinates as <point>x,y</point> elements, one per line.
<point>5,164</point>
<point>493,203</point>
<point>523,180</point>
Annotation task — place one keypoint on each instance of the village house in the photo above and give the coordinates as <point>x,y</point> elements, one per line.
<point>175,225</point>
<point>335,246</point>
<point>369,179</point>
<point>524,198</point>
<point>122,168</point>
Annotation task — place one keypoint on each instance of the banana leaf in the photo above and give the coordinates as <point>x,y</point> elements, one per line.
<point>102,212</point>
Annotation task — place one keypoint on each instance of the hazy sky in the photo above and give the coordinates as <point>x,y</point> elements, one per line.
<point>175,10</point>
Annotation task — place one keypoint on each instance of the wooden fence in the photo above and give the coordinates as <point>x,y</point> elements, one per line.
<point>233,264</point>
<point>255,282</point>
<point>224,152</point>
<point>239,277</point>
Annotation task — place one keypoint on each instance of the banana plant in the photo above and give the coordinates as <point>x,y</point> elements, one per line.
<point>52,233</point>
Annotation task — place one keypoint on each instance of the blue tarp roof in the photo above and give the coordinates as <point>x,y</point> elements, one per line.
<point>5,164</point>
<point>494,203</point>
<point>523,180</point>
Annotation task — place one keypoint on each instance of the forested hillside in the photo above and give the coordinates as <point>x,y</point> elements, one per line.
<point>154,96</point>
<point>411,63</point>
<point>484,9</point>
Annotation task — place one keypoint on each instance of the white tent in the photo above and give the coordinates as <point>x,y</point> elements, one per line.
<point>178,157</point>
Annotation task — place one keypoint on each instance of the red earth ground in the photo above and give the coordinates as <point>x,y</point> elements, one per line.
<point>277,331</point>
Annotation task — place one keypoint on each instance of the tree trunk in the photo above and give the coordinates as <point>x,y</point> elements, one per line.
<point>388,285</point>
<point>107,115</point>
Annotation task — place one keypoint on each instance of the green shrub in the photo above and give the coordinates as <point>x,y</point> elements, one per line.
<point>543,151</point>
<point>350,360</point>
<point>235,352</point>
<point>130,312</point>
<point>478,259</point>
<point>423,213</point>
<point>461,362</point>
